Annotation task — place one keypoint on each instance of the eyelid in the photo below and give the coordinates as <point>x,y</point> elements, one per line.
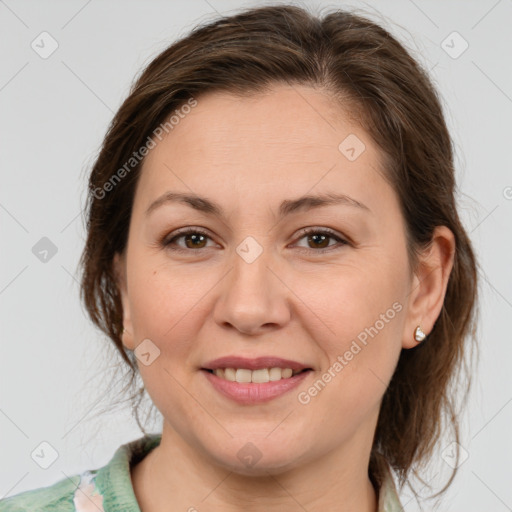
<point>324,230</point>
<point>342,240</point>
<point>168,238</point>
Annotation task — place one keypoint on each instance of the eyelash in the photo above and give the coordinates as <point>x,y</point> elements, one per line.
<point>167,242</point>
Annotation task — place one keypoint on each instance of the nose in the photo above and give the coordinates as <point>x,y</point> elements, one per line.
<point>253,298</point>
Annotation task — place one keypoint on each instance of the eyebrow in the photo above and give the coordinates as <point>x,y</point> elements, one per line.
<point>287,207</point>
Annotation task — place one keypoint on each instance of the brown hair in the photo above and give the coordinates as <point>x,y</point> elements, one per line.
<point>357,62</point>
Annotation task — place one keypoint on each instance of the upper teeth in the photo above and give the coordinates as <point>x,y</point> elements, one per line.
<point>262,375</point>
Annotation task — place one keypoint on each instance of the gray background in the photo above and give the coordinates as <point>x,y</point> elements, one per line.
<point>55,367</point>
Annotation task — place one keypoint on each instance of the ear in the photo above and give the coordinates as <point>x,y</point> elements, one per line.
<point>119,267</point>
<point>429,285</point>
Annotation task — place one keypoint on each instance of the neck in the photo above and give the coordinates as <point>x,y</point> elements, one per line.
<point>175,477</point>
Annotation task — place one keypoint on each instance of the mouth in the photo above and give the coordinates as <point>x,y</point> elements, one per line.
<point>247,386</point>
<point>259,376</point>
<point>255,370</point>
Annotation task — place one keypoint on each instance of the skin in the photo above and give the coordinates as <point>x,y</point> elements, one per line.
<point>293,301</point>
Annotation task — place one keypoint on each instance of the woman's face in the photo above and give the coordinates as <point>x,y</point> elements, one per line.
<point>252,285</point>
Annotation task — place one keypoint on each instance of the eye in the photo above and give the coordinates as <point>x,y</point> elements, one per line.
<point>319,236</point>
<point>196,239</point>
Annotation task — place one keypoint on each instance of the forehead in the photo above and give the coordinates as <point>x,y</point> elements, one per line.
<point>284,141</point>
<point>305,121</point>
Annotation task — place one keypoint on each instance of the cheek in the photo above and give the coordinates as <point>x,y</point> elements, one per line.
<point>351,299</point>
<point>169,306</point>
<point>360,349</point>
<point>362,313</point>
<point>161,297</point>
<point>165,304</point>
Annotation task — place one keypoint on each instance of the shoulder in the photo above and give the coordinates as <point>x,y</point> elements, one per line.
<point>54,498</point>
<point>109,486</point>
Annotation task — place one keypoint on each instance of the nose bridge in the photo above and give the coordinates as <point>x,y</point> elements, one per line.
<point>251,275</point>
<point>251,265</point>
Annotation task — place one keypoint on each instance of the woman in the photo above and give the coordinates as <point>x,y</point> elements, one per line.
<point>273,244</point>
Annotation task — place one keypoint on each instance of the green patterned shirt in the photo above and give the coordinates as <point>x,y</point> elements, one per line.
<point>109,489</point>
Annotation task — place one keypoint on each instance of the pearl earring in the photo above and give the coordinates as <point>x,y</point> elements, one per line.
<point>419,335</point>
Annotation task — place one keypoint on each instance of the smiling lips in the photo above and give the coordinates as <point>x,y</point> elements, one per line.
<point>259,370</point>
<point>249,381</point>
<point>254,364</point>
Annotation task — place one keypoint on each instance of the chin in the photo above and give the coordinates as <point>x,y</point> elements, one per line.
<point>258,457</point>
